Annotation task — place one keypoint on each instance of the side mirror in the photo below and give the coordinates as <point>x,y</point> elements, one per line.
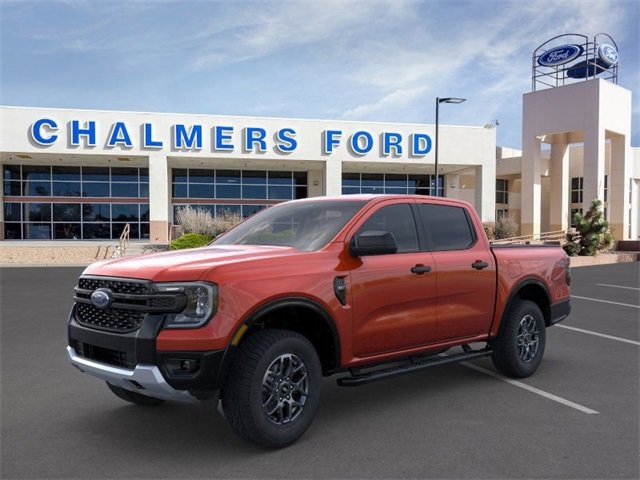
<point>373,242</point>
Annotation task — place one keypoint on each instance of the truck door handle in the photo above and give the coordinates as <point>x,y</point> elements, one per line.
<point>420,269</point>
<point>479,264</point>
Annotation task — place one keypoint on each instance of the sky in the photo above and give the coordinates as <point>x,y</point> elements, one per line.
<point>358,60</point>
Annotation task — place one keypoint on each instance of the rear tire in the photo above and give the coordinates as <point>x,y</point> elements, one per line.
<point>273,388</point>
<point>133,397</point>
<point>518,349</point>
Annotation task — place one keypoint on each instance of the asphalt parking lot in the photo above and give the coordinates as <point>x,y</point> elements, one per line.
<point>577,417</point>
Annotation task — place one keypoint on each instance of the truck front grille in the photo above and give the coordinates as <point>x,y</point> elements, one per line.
<point>122,321</point>
<point>131,303</point>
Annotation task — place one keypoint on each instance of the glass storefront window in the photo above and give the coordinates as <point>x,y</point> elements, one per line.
<point>280,178</point>
<point>38,188</point>
<point>254,191</point>
<point>124,174</point>
<point>66,189</point>
<point>197,190</point>
<point>12,212</point>
<point>96,231</point>
<point>100,212</point>
<point>127,190</point>
<point>201,176</point>
<point>179,190</point>
<point>254,177</point>
<point>66,212</point>
<point>11,172</point>
<point>32,172</point>
<point>228,191</point>
<point>95,174</point>
<point>95,189</point>
<point>12,188</point>
<point>227,176</point>
<point>12,231</point>
<point>280,192</point>
<point>38,231</point>
<point>377,183</point>
<point>124,212</point>
<point>66,174</point>
<point>67,231</point>
<point>38,212</point>
<point>179,175</point>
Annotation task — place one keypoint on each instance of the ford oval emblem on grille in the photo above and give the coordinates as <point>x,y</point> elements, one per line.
<point>102,298</point>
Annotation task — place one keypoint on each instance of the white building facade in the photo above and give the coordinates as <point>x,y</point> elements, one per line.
<point>85,174</point>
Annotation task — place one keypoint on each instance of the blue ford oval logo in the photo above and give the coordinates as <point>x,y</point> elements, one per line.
<point>560,55</point>
<point>608,54</point>
<point>102,298</point>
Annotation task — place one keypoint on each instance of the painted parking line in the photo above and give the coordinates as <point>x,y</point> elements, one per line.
<point>602,335</point>
<point>616,286</point>
<point>529,388</point>
<point>606,301</point>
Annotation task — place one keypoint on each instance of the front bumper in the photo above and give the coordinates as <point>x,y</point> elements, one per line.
<point>131,361</point>
<point>143,379</point>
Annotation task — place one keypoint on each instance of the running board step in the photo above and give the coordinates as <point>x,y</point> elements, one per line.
<point>412,365</point>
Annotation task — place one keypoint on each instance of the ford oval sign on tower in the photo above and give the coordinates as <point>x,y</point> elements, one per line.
<point>608,54</point>
<point>571,57</point>
<point>560,55</point>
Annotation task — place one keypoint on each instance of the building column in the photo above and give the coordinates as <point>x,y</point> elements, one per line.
<point>619,188</point>
<point>159,184</point>
<point>531,186</point>
<point>485,191</point>
<point>559,197</point>
<point>593,167</point>
<point>332,177</point>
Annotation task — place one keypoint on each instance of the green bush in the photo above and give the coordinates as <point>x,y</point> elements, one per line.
<point>190,240</point>
<point>592,233</point>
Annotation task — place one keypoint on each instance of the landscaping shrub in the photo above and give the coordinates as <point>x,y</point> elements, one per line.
<point>199,220</point>
<point>505,227</point>
<point>190,240</point>
<point>592,233</point>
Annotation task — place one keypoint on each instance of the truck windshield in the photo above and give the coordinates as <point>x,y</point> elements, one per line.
<point>306,225</point>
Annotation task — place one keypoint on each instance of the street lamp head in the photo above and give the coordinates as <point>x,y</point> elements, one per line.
<point>438,102</point>
<point>451,100</point>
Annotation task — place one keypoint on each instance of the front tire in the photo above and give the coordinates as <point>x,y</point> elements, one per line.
<point>133,397</point>
<point>518,350</point>
<point>273,388</point>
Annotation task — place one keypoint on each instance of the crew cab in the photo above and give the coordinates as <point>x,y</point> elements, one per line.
<point>363,286</point>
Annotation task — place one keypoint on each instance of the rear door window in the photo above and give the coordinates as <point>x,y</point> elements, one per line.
<point>446,227</point>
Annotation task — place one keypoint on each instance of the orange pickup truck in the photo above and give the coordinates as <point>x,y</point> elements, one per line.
<point>365,286</point>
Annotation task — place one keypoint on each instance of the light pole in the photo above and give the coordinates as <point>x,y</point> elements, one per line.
<point>438,102</point>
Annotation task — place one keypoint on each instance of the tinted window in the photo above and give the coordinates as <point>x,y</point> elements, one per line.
<point>447,227</point>
<point>398,220</point>
<point>303,225</point>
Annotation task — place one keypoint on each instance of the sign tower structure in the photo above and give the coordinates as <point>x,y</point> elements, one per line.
<point>575,99</point>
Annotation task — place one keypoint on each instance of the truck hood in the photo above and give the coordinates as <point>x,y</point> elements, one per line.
<point>185,265</point>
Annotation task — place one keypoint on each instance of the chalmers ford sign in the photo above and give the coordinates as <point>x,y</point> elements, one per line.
<point>45,132</point>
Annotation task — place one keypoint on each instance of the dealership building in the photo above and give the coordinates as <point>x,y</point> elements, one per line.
<point>86,174</point>
<point>78,174</point>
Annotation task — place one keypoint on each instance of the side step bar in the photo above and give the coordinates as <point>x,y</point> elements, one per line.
<point>412,364</point>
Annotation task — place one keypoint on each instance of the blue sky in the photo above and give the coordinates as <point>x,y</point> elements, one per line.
<point>362,60</point>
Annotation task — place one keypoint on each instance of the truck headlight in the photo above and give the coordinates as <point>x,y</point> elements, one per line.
<point>201,303</point>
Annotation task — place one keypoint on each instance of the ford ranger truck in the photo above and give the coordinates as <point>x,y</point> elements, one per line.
<point>367,287</point>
